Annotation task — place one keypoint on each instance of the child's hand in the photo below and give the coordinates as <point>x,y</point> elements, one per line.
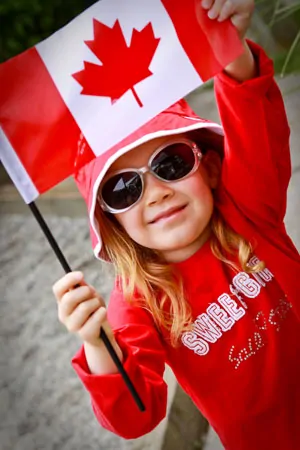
<point>81,309</point>
<point>239,11</point>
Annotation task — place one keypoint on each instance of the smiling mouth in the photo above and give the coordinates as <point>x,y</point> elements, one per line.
<point>168,214</point>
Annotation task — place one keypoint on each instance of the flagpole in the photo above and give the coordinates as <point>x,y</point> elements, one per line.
<point>38,216</point>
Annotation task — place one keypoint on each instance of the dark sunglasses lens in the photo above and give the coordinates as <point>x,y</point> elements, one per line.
<point>122,190</point>
<point>174,162</point>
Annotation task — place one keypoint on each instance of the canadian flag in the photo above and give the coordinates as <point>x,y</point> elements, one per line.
<point>92,83</point>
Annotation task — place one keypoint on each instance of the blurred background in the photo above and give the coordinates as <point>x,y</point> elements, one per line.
<point>42,403</point>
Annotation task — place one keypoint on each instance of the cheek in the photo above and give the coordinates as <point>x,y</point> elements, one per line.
<point>197,189</point>
<point>131,221</point>
<point>200,197</point>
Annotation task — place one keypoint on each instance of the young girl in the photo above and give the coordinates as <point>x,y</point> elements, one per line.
<point>207,279</point>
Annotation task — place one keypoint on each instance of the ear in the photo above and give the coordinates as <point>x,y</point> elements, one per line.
<point>212,164</point>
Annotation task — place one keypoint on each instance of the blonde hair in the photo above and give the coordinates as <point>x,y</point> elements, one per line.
<point>160,289</point>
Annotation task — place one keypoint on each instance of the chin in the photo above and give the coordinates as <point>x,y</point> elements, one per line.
<point>188,235</point>
<point>177,243</point>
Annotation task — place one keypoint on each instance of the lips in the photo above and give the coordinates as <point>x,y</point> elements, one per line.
<point>169,212</point>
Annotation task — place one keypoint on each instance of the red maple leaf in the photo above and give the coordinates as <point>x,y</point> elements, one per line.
<point>122,66</point>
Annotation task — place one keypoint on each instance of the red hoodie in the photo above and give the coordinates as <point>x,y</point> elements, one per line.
<point>241,362</point>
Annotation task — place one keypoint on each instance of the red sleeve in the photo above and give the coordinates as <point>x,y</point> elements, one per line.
<point>256,169</point>
<point>144,362</point>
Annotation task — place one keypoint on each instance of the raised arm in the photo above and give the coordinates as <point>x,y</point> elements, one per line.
<point>244,67</point>
<point>256,169</point>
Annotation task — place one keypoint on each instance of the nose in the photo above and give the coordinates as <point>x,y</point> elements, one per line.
<point>155,190</point>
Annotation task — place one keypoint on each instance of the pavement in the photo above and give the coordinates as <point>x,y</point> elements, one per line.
<point>42,403</point>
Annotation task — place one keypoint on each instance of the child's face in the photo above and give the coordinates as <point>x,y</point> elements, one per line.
<point>172,217</point>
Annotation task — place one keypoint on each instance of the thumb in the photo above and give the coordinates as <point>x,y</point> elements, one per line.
<point>241,22</point>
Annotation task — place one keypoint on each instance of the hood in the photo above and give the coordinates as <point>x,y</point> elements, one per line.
<point>178,118</point>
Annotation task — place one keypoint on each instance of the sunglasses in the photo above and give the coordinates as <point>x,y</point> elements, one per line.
<point>170,162</point>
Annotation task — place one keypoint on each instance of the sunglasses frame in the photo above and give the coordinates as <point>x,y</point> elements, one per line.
<point>141,172</point>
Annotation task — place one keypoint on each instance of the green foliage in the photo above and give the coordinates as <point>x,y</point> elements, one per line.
<point>283,18</point>
<point>27,22</point>
<point>284,63</point>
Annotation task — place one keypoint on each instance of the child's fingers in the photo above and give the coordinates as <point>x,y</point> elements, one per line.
<point>227,11</point>
<point>72,299</point>
<point>215,9</point>
<point>81,314</point>
<point>207,4</point>
<point>66,283</point>
<point>90,331</point>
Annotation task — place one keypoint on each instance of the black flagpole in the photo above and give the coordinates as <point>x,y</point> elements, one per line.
<point>35,211</point>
